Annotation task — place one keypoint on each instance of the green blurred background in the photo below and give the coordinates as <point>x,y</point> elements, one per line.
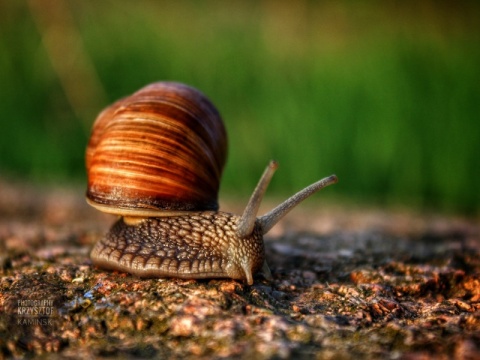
<point>384,94</point>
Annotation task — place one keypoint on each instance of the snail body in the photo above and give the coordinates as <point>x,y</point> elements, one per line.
<point>156,158</point>
<point>195,245</point>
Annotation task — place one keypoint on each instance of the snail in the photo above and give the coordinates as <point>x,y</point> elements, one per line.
<point>155,158</point>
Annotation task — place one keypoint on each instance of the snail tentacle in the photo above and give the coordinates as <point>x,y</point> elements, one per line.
<point>268,220</point>
<point>249,216</point>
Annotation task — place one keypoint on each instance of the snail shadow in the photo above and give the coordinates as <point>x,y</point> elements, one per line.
<point>306,258</point>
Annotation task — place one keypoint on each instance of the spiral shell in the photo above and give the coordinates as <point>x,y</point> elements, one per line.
<point>161,149</point>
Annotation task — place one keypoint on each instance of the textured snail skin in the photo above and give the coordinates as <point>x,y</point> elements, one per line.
<point>197,245</point>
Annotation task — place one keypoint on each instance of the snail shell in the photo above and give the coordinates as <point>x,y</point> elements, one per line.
<point>161,149</point>
<point>156,159</point>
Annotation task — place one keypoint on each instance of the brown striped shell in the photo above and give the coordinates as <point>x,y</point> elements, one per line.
<point>161,149</point>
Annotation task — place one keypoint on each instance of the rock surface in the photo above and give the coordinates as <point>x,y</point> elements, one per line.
<point>359,284</point>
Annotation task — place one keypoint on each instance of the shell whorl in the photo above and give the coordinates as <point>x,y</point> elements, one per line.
<point>162,148</point>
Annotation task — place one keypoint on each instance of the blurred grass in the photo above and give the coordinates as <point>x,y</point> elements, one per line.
<point>385,95</point>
